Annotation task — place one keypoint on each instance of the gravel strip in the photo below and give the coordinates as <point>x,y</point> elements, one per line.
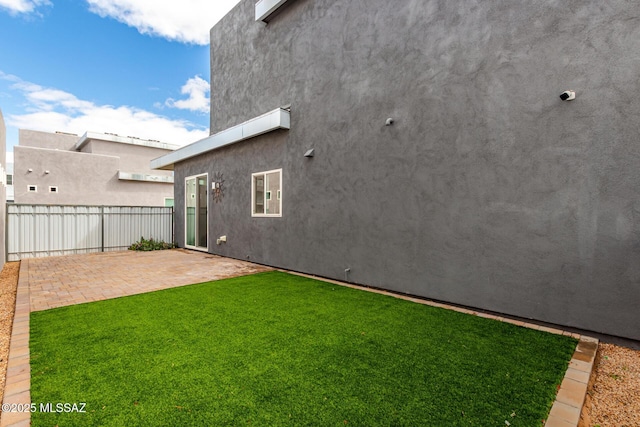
<point>8,287</point>
<point>613,397</point>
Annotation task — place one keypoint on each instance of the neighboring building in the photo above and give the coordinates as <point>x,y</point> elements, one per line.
<point>484,189</point>
<point>3,189</point>
<point>9,180</point>
<point>95,169</point>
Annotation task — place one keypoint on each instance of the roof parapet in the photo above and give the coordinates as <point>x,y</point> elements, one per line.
<point>112,137</point>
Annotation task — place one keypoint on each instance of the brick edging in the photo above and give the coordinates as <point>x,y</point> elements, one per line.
<point>17,389</point>
<point>567,408</point>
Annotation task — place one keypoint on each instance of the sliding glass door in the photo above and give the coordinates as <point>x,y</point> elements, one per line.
<point>196,212</point>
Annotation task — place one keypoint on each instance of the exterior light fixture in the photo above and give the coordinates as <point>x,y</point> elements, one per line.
<point>568,95</point>
<point>309,153</point>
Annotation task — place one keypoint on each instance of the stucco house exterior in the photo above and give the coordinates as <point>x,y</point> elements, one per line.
<point>423,147</point>
<point>9,179</point>
<point>94,169</point>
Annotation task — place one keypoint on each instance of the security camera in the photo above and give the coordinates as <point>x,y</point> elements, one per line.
<point>389,122</point>
<point>568,95</point>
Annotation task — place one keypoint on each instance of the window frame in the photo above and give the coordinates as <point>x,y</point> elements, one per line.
<point>278,196</point>
<point>197,224</point>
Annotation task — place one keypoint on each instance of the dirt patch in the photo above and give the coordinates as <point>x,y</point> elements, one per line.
<point>8,287</point>
<point>614,387</point>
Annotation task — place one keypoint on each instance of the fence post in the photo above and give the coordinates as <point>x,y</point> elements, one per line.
<point>102,226</point>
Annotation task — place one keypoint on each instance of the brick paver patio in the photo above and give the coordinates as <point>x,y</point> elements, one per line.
<point>67,280</point>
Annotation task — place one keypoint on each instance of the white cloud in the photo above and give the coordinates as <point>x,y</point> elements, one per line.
<point>22,6</point>
<point>45,99</point>
<point>186,21</point>
<point>198,91</point>
<point>50,109</point>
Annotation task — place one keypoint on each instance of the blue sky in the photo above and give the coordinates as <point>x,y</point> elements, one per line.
<point>131,67</point>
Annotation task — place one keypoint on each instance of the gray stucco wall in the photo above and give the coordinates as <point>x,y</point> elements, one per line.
<point>133,158</point>
<point>487,191</point>
<point>81,178</point>
<point>53,141</point>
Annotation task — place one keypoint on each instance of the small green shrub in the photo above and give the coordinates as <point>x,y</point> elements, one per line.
<point>150,245</point>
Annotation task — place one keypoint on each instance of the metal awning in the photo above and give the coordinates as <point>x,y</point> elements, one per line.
<point>146,177</point>
<point>266,8</point>
<point>273,120</point>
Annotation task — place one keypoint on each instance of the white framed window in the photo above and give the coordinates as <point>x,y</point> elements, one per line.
<point>266,193</point>
<point>32,188</point>
<point>53,189</point>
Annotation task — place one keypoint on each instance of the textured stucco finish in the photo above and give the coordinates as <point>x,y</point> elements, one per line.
<point>52,141</point>
<point>487,191</point>
<point>133,158</point>
<point>89,177</point>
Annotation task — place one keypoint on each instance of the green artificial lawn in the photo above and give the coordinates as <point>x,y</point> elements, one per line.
<point>277,349</point>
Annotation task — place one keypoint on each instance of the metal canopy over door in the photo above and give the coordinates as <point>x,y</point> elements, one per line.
<point>196,212</point>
